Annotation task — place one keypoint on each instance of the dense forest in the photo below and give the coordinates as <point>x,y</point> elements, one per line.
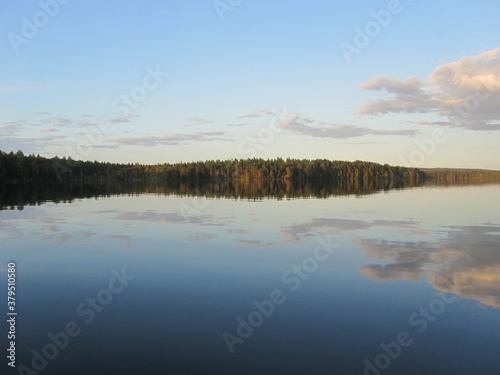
<point>17,167</point>
<point>31,180</point>
<point>461,176</point>
<point>20,168</point>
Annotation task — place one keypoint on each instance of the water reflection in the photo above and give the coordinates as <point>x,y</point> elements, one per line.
<point>298,232</point>
<point>17,196</point>
<point>200,263</point>
<point>459,259</point>
<point>465,260</point>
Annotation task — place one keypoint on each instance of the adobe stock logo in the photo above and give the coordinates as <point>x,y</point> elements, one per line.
<point>460,113</point>
<point>425,148</point>
<point>57,342</point>
<point>223,6</point>
<point>363,36</point>
<point>257,143</point>
<point>293,279</point>
<point>31,26</point>
<point>420,320</point>
<point>139,93</point>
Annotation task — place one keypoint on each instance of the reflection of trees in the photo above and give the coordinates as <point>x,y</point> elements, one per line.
<point>33,179</point>
<point>18,195</point>
<point>466,263</point>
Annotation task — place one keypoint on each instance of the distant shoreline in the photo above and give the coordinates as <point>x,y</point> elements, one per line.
<point>20,168</point>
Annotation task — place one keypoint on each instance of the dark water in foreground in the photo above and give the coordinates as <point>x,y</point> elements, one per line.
<point>169,284</point>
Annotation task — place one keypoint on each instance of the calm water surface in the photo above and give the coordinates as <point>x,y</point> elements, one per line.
<point>225,286</point>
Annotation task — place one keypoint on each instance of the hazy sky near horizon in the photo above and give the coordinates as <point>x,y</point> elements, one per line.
<point>414,83</point>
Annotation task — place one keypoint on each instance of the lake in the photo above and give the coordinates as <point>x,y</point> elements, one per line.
<point>402,281</point>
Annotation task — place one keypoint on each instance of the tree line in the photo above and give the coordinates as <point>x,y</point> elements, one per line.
<point>458,176</point>
<point>17,167</point>
<point>20,168</point>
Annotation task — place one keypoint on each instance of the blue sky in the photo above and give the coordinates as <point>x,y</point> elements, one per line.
<point>168,81</point>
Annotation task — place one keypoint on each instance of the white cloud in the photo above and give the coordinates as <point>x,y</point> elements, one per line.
<point>466,91</point>
<point>57,121</point>
<point>303,125</point>
<point>411,86</point>
<point>239,124</point>
<point>10,129</point>
<point>122,119</point>
<point>297,123</point>
<point>173,139</point>
<point>197,121</point>
<point>257,113</point>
